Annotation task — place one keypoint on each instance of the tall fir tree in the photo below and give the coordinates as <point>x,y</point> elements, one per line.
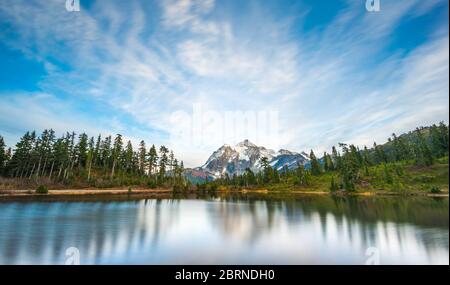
<point>315,166</point>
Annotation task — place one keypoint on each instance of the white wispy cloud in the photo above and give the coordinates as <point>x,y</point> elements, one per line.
<point>331,85</point>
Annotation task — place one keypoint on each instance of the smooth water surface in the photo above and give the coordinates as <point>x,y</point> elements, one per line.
<point>227,230</point>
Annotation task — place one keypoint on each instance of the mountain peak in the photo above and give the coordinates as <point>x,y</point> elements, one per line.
<point>235,160</point>
<point>245,142</point>
<point>286,152</point>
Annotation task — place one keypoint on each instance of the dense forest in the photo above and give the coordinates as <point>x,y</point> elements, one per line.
<point>80,161</point>
<point>348,166</point>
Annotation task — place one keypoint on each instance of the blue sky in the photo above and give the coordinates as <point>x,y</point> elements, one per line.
<point>333,71</point>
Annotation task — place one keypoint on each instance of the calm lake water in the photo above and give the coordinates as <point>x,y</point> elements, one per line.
<point>239,229</point>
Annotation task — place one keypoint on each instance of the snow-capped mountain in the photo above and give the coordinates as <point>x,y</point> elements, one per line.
<point>235,159</point>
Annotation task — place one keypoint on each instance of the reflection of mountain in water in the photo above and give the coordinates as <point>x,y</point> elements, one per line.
<point>231,229</point>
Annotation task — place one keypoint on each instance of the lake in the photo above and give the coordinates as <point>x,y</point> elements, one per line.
<point>226,229</point>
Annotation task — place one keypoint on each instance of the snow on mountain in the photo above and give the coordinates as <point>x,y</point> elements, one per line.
<point>235,160</point>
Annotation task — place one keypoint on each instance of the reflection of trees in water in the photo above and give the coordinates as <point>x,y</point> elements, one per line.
<point>246,220</point>
<point>366,218</point>
<point>41,232</point>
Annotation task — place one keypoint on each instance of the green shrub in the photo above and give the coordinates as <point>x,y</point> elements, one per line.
<point>201,187</point>
<point>435,190</point>
<point>213,188</point>
<point>177,188</point>
<point>151,184</point>
<point>334,186</point>
<point>42,189</point>
<point>424,178</point>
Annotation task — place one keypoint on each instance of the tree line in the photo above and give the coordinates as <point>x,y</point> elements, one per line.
<point>348,163</point>
<point>98,161</point>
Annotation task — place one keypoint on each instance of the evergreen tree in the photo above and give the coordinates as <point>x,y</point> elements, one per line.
<point>106,152</point>
<point>380,153</point>
<point>349,171</point>
<point>90,156</point>
<point>425,156</point>
<point>326,167</point>
<point>267,175</point>
<point>330,163</point>
<point>315,167</point>
<point>152,160</point>
<point>171,162</point>
<point>163,160</point>
<point>250,177</point>
<point>333,187</point>
<point>96,153</point>
<point>336,158</point>
<point>142,158</point>
<point>3,158</point>
<point>81,149</point>
<point>439,139</point>
<point>128,158</point>
<point>444,138</point>
<point>117,150</point>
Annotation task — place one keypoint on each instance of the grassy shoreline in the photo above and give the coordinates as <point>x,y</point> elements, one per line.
<point>415,181</point>
<point>165,191</point>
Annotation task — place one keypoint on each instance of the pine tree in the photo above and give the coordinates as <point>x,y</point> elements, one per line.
<point>264,161</point>
<point>336,158</point>
<point>117,150</point>
<point>333,186</point>
<point>96,154</point>
<point>439,139</point>
<point>90,156</point>
<point>349,171</point>
<point>424,152</point>
<point>250,177</point>
<point>444,138</point>
<point>163,160</point>
<point>330,163</point>
<point>366,160</point>
<point>106,152</point>
<point>128,158</point>
<point>315,167</point>
<point>171,162</point>
<point>326,167</point>
<point>152,160</point>
<point>3,158</point>
<point>81,149</point>
<point>380,153</point>
<point>142,157</point>
<point>275,175</point>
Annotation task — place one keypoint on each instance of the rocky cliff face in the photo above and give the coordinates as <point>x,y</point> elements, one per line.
<point>235,159</point>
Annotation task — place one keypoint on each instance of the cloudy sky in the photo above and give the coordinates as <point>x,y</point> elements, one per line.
<point>331,71</point>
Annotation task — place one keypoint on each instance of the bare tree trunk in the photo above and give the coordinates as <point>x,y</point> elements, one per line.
<point>51,170</point>
<point>113,167</point>
<point>39,167</point>
<point>89,170</point>
<point>60,170</point>
<point>32,170</point>
<point>43,168</point>
<point>71,166</point>
<point>23,170</point>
